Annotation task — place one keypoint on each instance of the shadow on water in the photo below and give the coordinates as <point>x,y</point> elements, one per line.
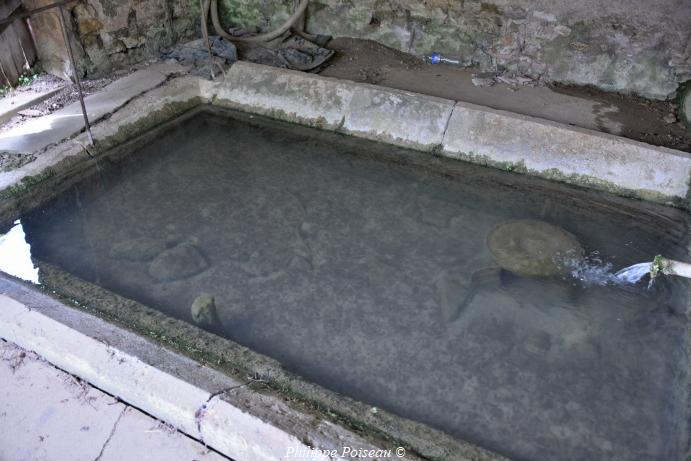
<point>347,261</point>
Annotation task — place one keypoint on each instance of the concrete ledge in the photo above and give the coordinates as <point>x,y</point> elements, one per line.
<point>367,111</point>
<point>397,117</point>
<point>114,368</point>
<point>454,129</point>
<point>554,151</point>
<point>69,157</point>
<point>459,130</point>
<point>286,95</point>
<point>40,132</point>
<point>210,406</point>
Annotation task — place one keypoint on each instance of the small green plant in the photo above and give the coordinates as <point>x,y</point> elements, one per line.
<point>658,267</point>
<point>29,75</point>
<point>4,89</point>
<point>24,80</point>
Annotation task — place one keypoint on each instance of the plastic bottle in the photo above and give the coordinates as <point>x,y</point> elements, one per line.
<point>436,58</point>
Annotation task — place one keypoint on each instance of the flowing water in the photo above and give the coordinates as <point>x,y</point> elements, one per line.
<point>348,261</point>
<point>634,273</point>
<point>593,271</point>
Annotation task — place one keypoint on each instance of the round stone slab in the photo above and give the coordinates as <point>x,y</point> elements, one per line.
<point>177,263</point>
<point>533,248</point>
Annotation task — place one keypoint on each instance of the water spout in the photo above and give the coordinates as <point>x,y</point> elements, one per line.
<point>659,266</point>
<point>664,266</point>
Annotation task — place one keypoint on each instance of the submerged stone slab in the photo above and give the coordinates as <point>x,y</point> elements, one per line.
<point>177,263</point>
<point>139,249</point>
<point>555,151</point>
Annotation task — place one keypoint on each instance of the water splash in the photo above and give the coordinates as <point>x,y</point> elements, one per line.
<point>634,274</point>
<point>592,271</point>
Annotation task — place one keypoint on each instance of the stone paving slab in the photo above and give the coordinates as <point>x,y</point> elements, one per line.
<point>64,123</point>
<point>47,414</point>
<point>10,105</point>
<point>138,436</point>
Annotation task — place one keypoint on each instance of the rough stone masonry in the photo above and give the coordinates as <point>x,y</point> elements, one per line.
<point>629,46</point>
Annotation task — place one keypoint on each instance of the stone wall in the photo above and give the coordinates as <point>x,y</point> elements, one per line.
<point>629,46</point>
<point>111,34</point>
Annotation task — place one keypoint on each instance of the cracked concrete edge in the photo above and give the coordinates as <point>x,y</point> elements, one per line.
<point>109,129</point>
<point>457,130</point>
<point>261,386</point>
<point>367,111</point>
<point>569,154</point>
<point>109,359</point>
<point>69,159</point>
<point>171,387</point>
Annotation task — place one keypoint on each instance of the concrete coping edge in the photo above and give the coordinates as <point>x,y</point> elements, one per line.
<point>459,130</point>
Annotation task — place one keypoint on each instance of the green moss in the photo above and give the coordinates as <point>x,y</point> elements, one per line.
<point>18,190</point>
<point>250,14</point>
<point>577,179</point>
<point>659,266</point>
<point>151,120</point>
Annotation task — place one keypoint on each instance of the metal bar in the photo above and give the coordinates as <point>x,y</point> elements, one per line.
<point>205,34</point>
<point>25,14</point>
<point>74,70</point>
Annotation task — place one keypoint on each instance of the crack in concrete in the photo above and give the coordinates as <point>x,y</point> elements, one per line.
<point>201,411</point>
<point>448,122</point>
<point>112,432</point>
<point>168,76</point>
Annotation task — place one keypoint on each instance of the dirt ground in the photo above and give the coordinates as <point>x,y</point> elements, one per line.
<point>653,122</point>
